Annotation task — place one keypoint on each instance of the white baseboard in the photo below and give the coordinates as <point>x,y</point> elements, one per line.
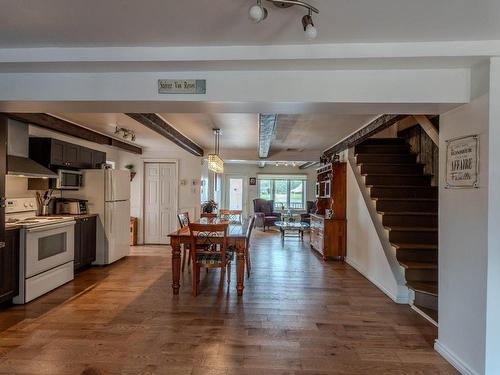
<point>454,360</point>
<point>401,299</point>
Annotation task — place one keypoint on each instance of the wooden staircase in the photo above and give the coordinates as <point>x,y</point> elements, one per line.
<point>409,207</point>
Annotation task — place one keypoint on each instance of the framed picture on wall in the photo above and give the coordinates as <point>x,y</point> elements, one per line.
<point>462,163</point>
<point>253,181</point>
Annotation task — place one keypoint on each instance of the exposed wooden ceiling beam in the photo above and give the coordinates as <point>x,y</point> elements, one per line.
<point>46,121</point>
<point>380,123</point>
<point>309,164</point>
<point>156,123</point>
<point>267,131</point>
<point>429,128</point>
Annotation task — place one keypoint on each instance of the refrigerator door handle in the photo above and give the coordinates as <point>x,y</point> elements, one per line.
<point>111,218</point>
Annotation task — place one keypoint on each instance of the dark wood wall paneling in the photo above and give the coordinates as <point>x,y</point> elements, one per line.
<point>424,147</point>
<point>380,123</point>
<point>65,127</point>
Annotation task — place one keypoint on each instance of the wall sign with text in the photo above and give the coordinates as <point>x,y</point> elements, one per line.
<point>182,86</point>
<point>462,162</point>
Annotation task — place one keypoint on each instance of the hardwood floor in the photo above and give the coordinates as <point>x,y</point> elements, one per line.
<point>298,316</point>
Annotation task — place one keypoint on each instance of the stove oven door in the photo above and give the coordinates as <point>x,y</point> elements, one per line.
<point>49,246</point>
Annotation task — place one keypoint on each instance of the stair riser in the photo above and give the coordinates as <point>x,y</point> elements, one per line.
<point>397,169</point>
<point>421,275</point>
<point>397,236</point>
<point>382,149</point>
<point>409,205</point>
<point>410,221</point>
<point>398,159</point>
<point>383,192</point>
<point>398,180</point>
<point>416,255</point>
<point>426,300</point>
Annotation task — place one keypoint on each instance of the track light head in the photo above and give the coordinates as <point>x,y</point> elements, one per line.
<point>257,12</point>
<point>309,28</point>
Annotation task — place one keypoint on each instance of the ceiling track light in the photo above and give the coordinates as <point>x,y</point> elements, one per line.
<point>258,14</point>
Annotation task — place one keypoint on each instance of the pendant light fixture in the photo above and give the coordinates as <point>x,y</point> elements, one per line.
<point>215,163</point>
<point>258,13</point>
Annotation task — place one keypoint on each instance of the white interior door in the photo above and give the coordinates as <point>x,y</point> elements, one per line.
<point>160,202</point>
<point>235,194</point>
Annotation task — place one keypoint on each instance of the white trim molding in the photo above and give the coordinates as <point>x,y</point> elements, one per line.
<point>454,360</point>
<point>403,296</point>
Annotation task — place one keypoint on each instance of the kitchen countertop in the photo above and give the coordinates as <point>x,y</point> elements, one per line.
<point>76,217</point>
<point>12,227</point>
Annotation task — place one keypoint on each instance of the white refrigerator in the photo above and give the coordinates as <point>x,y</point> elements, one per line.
<point>108,194</point>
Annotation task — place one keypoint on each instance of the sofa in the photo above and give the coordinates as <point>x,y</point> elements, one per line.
<point>264,213</point>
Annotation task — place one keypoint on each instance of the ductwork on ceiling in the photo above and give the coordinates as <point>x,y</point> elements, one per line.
<point>18,161</point>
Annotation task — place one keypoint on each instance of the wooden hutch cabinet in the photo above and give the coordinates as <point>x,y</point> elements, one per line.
<point>329,233</point>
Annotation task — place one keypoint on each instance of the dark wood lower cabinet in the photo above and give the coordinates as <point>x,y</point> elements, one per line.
<point>9,266</point>
<point>85,242</point>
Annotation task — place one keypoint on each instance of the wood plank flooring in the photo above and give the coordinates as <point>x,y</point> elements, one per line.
<point>298,316</point>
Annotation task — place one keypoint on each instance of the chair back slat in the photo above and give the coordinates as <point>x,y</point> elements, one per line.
<point>209,236</point>
<point>183,218</point>
<point>233,216</point>
<point>251,224</point>
<point>208,216</point>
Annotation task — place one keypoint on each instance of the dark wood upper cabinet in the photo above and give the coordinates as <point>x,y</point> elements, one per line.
<point>55,154</point>
<point>98,158</point>
<point>85,161</point>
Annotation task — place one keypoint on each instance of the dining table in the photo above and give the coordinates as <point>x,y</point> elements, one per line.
<point>236,237</point>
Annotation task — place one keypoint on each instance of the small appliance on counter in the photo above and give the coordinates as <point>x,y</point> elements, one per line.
<point>65,206</point>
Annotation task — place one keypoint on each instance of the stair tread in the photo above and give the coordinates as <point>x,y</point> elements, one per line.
<point>412,228</point>
<point>405,199</point>
<point>428,287</point>
<point>385,164</point>
<point>398,174</point>
<point>431,313</point>
<point>403,187</point>
<point>419,265</point>
<point>404,245</point>
<point>410,213</point>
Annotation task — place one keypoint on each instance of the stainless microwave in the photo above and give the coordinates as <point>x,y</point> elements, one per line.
<point>69,180</point>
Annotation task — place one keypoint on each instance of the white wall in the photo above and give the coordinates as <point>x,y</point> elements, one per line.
<point>492,365</point>
<point>463,246</point>
<point>252,170</point>
<point>190,170</point>
<point>365,251</point>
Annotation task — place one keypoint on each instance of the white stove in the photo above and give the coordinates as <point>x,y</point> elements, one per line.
<point>46,248</point>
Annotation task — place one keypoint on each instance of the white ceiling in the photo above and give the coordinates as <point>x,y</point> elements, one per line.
<point>299,137</point>
<point>32,23</point>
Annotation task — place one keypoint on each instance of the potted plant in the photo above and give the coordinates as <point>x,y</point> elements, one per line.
<point>130,167</point>
<point>209,207</point>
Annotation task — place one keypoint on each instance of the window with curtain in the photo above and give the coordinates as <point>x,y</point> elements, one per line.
<point>286,191</point>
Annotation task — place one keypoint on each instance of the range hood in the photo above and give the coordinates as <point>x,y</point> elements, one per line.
<point>18,162</point>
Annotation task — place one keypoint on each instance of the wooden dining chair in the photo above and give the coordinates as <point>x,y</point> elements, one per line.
<point>209,250</point>
<point>233,216</point>
<point>208,216</point>
<point>184,221</point>
<point>247,245</point>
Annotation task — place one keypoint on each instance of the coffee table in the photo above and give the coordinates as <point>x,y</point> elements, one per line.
<point>292,229</point>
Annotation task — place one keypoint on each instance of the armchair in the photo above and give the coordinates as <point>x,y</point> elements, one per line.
<point>310,208</point>
<point>264,213</point>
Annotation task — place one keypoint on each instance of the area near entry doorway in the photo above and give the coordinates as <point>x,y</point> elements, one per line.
<point>160,201</point>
